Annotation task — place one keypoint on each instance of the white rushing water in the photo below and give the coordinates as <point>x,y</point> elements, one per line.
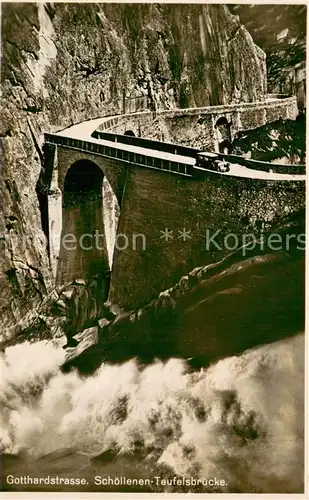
<point>240,419</point>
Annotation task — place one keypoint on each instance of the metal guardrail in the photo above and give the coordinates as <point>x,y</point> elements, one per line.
<point>126,156</point>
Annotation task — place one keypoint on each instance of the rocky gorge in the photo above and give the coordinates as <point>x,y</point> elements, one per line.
<point>64,63</point>
<point>197,371</point>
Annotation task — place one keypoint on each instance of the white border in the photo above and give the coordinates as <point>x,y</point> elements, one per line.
<point>194,496</point>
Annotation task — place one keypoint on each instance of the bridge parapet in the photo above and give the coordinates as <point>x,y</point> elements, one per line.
<point>273,101</point>
<point>287,106</point>
<point>279,168</point>
<point>146,143</point>
<point>192,152</point>
<point>178,125</point>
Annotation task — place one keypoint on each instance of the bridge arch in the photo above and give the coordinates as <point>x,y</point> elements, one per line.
<point>223,127</point>
<point>85,244</point>
<point>222,121</point>
<point>225,147</point>
<point>223,130</point>
<point>130,133</point>
<point>82,183</point>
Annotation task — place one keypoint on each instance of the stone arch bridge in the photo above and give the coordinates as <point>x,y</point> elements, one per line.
<point>137,211</point>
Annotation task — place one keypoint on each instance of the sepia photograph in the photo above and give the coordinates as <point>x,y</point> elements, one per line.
<point>152,248</point>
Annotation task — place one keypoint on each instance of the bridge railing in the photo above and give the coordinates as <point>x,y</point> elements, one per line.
<point>278,168</point>
<point>146,143</point>
<point>192,152</point>
<point>132,157</point>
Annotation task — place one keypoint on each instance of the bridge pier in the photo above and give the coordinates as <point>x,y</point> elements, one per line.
<point>111,213</point>
<point>54,211</point>
<point>83,248</point>
<point>83,196</point>
<point>54,202</point>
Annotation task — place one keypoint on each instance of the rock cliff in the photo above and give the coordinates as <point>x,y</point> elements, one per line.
<point>282,141</point>
<point>64,63</point>
<point>214,311</point>
<point>280,32</point>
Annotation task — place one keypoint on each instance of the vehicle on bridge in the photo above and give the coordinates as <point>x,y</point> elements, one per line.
<point>211,161</point>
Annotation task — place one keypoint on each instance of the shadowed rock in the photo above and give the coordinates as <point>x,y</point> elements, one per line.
<point>215,311</point>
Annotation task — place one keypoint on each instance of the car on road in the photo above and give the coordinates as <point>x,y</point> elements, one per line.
<point>211,161</point>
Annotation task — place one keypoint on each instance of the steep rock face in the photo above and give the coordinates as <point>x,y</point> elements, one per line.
<point>280,30</point>
<point>64,63</point>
